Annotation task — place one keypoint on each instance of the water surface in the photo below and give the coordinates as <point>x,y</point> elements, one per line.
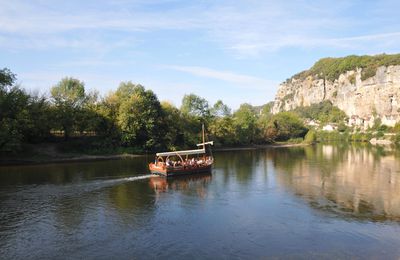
<point>324,201</point>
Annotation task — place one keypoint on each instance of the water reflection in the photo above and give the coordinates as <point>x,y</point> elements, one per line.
<point>186,184</point>
<point>295,202</point>
<point>351,181</point>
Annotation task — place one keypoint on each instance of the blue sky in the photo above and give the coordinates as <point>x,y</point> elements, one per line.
<point>237,51</point>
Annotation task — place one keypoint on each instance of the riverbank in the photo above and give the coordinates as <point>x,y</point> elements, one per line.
<point>48,154</point>
<point>263,146</point>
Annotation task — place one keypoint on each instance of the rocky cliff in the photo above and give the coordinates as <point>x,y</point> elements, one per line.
<point>361,99</point>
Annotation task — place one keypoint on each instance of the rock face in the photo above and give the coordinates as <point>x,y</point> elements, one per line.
<point>362,101</point>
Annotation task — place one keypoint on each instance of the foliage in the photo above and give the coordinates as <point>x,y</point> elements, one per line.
<point>325,136</point>
<point>130,118</point>
<point>68,96</point>
<point>331,68</point>
<point>285,125</point>
<point>342,127</point>
<point>310,137</point>
<point>7,78</point>
<point>140,117</point>
<point>324,112</point>
<point>396,128</point>
<point>245,122</point>
<point>194,105</point>
<point>220,109</point>
<point>223,131</point>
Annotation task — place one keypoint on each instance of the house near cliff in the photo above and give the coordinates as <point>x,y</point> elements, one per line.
<point>369,122</point>
<point>390,120</point>
<point>312,122</point>
<point>363,122</point>
<point>329,127</point>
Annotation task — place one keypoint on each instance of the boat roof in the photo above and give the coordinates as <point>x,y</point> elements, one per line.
<point>185,152</point>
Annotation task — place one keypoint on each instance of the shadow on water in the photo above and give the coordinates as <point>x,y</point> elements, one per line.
<point>350,181</point>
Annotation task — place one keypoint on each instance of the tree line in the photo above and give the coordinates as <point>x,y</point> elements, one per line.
<point>130,117</point>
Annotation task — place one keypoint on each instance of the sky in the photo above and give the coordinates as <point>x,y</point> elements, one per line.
<point>236,51</point>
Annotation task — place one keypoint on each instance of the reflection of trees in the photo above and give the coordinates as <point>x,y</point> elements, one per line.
<point>354,181</point>
<point>71,192</point>
<point>238,165</point>
<point>63,173</point>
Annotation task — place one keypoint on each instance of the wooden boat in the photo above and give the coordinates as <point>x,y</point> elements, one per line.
<point>183,162</point>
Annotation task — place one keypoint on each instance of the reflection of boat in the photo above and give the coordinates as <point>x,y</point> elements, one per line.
<point>181,182</point>
<point>183,162</point>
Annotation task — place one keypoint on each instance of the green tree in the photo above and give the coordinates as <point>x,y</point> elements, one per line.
<point>140,117</point>
<point>223,130</point>
<point>40,119</point>
<point>7,79</point>
<point>287,125</point>
<point>324,112</point>
<point>245,121</point>
<point>311,137</point>
<point>69,97</point>
<point>14,112</point>
<point>174,136</point>
<point>195,106</point>
<point>220,109</point>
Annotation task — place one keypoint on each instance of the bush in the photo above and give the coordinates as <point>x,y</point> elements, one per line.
<point>287,125</point>
<point>324,112</point>
<point>380,134</point>
<point>310,137</point>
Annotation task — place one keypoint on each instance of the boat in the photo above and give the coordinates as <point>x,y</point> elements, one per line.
<point>183,162</point>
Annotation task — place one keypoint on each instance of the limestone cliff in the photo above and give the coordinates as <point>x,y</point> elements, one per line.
<point>362,100</point>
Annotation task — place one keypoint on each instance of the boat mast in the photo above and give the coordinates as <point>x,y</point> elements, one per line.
<point>204,141</point>
<point>204,145</point>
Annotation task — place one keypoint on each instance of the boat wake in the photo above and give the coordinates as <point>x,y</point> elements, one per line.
<point>135,178</point>
<point>72,189</point>
<point>111,182</point>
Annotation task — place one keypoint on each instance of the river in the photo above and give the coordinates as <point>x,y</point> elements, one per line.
<point>324,201</point>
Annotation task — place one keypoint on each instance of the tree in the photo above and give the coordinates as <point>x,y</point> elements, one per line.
<point>288,125</point>
<point>223,130</point>
<point>220,109</point>
<point>68,96</point>
<point>7,78</point>
<point>195,106</point>
<point>140,117</point>
<point>40,119</point>
<point>174,135</point>
<point>245,121</point>
<point>19,114</point>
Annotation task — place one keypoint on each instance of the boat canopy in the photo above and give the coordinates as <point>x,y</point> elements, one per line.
<point>186,152</point>
<point>210,143</point>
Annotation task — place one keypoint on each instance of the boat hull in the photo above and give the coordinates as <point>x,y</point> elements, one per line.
<point>170,171</point>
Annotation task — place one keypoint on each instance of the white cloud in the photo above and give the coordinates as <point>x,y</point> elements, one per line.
<point>239,80</point>
<point>243,28</point>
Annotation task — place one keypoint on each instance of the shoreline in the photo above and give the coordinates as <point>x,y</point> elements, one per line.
<point>262,146</point>
<point>11,161</point>
<point>78,158</point>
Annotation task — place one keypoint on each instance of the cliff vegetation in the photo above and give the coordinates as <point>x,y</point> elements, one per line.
<point>331,68</point>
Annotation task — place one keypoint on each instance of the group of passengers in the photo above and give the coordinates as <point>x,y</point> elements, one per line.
<point>193,162</point>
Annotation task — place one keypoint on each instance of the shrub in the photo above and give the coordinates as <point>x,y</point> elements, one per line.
<point>310,137</point>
